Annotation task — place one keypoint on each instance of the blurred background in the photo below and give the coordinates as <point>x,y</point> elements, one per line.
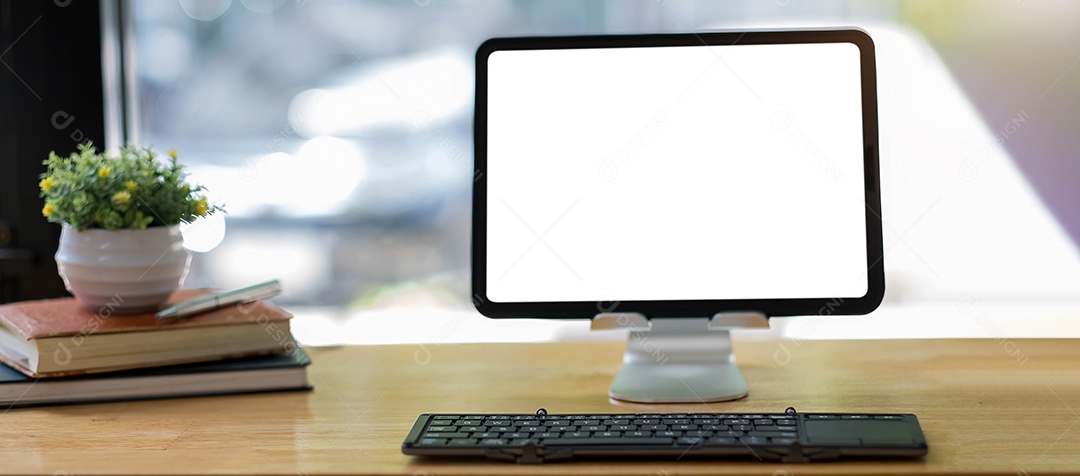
<point>338,136</point>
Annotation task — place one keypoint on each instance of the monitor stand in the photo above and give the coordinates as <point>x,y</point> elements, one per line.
<point>679,360</point>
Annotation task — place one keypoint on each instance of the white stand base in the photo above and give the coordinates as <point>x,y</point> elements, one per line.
<point>679,360</point>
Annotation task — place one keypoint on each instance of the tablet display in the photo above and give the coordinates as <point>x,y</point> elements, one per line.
<point>683,172</point>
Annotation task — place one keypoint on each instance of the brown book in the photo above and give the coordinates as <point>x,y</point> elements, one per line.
<point>57,337</point>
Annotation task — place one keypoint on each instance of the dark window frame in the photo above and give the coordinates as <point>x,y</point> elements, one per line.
<point>51,92</point>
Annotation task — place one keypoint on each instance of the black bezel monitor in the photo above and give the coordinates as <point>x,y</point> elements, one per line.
<point>542,59</point>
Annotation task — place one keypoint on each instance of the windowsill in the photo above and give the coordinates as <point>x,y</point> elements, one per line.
<point>933,320</point>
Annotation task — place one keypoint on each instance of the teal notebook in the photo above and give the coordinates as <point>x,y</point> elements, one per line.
<point>264,373</point>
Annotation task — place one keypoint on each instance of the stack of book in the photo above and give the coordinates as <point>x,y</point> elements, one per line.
<point>58,351</point>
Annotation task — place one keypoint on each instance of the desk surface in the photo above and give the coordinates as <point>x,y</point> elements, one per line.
<point>986,406</point>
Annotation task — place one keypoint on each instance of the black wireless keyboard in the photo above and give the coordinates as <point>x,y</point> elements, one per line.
<point>787,437</point>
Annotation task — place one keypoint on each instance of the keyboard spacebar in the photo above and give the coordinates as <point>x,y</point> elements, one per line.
<point>608,441</point>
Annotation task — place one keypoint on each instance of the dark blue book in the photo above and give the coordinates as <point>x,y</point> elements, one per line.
<point>264,373</point>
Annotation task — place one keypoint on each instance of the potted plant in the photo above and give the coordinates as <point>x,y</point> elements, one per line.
<point>120,247</point>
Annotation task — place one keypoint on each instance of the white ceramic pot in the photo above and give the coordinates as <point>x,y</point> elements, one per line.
<point>122,271</point>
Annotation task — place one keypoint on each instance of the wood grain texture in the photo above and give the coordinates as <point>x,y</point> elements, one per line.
<point>987,406</point>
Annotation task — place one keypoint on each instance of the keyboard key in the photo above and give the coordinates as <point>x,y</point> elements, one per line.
<point>821,417</point>
<point>593,428</point>
<point>637,434</point>
<point>653,427</point>
<point>471,429</point>
<point>783,441</point>
<point>733,422</point>
<point>676,421</point>
<point>856,417</point>
<point>446,435</point>
<point>549,434</point>
<point>888,417</point>
<point>462,442</point>
<point>689,440</point>
<point>432,441</point>
<point>442,423</point>
<point>722,441</point>
<point>669,434</point>
<point>786,422</point>
<point>493,442</point>
<point>615,422</point>
<point>728,434</point>
<point>783,428</point>
<point>607,434</point>
<point>683,427</point>
<point>469,423</point>
<point>654,441</point>
<point>517,436</point>
<point>742,428</point>
<point>773,434</point>
<point>763,422</point>
<point>442,428</point>
<point>646,421</point>
<point>754,440</point>
<point>577,434</point>
<point>591,422</point>
<point>533,428</point>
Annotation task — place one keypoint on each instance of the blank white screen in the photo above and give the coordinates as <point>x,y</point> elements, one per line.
<point>675,173</point>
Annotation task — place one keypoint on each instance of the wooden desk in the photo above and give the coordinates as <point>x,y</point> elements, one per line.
<point>987,406</point>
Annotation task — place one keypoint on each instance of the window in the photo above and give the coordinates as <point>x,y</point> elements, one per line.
<point>338,135</point>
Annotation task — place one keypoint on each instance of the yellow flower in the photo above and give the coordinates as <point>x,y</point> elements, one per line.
<point>201,207</point>
<point>103,172</point>
<point>48,210</point>
<point>172,153</point>
<point>131,185</point>
<point>121,197</point>
<point>46,183</point>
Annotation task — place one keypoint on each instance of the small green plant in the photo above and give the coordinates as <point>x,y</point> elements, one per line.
<point>129,191</point>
